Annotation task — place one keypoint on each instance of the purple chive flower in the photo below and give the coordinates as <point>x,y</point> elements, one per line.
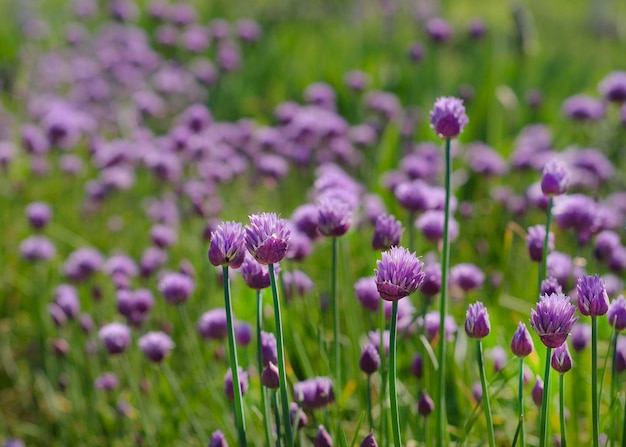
<point>356,80</point>
<point>613,86</point>
<point>370,359</point>
<point>83,263</point>
<point>617,313</point>
<point>431,224</point>
<point>243,333</point>
<point>212,325</point>
<point>550,285</point>
<point>432,280</point>
<point>555,179</point>
<point>156,346</point>
<point>466,276</point>
<point>560,267</point>
<point>605,243</point>
<point>218,439</point>
<point>314,393</point>
<point>176,287</point>
<point>267,238</point>
<point>414,196</point>
<point>477,321</point>
<point>583,108</point>
<point>374,338</point>
<point>617,261</point>
<point>431,324</point>
<point>334,216</point>
<point>115,337</point>
<point>135,305</point>
<point>399,274</point>
<point>163,236</point>
<point>522,342</point>
<point>425,404</point>
<point>534,241</point>
<point>106,382</point>
<point>499,358</point>
<point>268,348</point>
<point>367,293</point>
<point>438,30</point>
<point>448,117</point>
<point>227,245</point>
<point>300,246</point>
<point>537,391</point>
<point>592,297</point>
<point>553,319</point>
<point>296,412</point>
<point>255,275</point>
<point>417,366</point>
<point>561,359</point>
<point>416,51</point>
<point>387,233</point>
<point>620,354</point>
<point>369,440</point>
<point>581,336</point>
<point>305,219</point>
<point>228,383</point>
<point>297,284</point>
<point>38,214</point>
<point>151,259</point>
<point>322,439</point>
<point>269,376</point>
<point>37,248</point>
<point>66,297</point>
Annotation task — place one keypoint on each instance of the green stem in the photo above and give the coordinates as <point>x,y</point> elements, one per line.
<point>383,373</point>
<point>259,357</point>
<point>234,366</point>
<point>594,381</point>
<point>520,402</point>
<point>281,358</point>
<point>486,403</point>
<point>445,267</point>
<point>411,230</point>
<point>335,305</point>
<point>624,426</point>
<point>544,261</point>
<point>182,401</point>
<point>393,395</point>
<point>543,424</point>
<point>276,417</point>
<point>562,409</point>
<point>369,401</point>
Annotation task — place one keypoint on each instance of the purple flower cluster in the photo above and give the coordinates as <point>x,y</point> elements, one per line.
<point>553,319</point>
<point>399,274</point>
<point>314,393</point>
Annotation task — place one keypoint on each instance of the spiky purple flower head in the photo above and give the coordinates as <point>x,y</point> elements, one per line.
<point>156,346</point>
<point>176,287</point>
<point>555,179</point>
<point>432,224</point>
<point>115,337</point>
<point>550,285</point>
<point>592,297</point>
<point>537,391</point>
<point>227,245</point>
<point>522,342</point>
<point>553,319</point>
<point>448,117</point>
<point>228,382</point>
<point>613,86</point>
<point>334,216</point>
<point>617,313</point>
<point>267,237</point>
<point>467,276</point>
<point>387,233</point>
<point>370,359</point>
<point>561,359</point>
<point>212,324</point>
<point>534,241</point>
<point>256,275</point>
<point>477,321</point>
<point>218,439</point>
<point>399,274</point>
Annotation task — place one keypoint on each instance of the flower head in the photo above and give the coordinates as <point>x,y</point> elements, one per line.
<point>613,86</point>
<point>227,245</point>
<point>115,337</point>
<point>38,214</point>
<point>176,287</point>
<point>522,342</point>
<point>620,354</point>
<point>466,276</point>
<point>323,438</point>
<point>555,178</point>
<point>334,216</point>
<point>367,293</point>
<point>370,359</point>
<point>553,319</point>
<point>399,274</point>
<point>477,321</point>
<point>537,391</point>
<point>534,241</point>
<point>425,404</point>
<point>255,275</point>
<point>212,324</point>
<point>550,285</point>
<point>267,237</point>
<point>592,297</point>
<point>448,117</point>
<point>369,441</point>
<point>218,439</point>
<point>583,108</point>
<point>228,382</point>
<point>561,359</point>
<point>387,233</point>
<point>156,346</point>
<point>617,313</point>
<point>314,393</point>
<point>432,280</point>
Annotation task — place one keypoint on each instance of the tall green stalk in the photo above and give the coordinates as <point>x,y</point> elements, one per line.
<point>234,366</point>
<point>383,373</point>
<point>267,427</point>
<point>545,402</point>
<point>486,403</point>
<point>445,267</point>
<point>281,359</point>
<point>335,305</point>
<point>369,401</point>
<point>520,402</point>
<point>393,395</point>
<point>544,262</point>
<point>562,409</point>
<point>594,381</point>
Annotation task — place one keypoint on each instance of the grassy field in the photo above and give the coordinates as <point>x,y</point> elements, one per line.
<point>47,395</point>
